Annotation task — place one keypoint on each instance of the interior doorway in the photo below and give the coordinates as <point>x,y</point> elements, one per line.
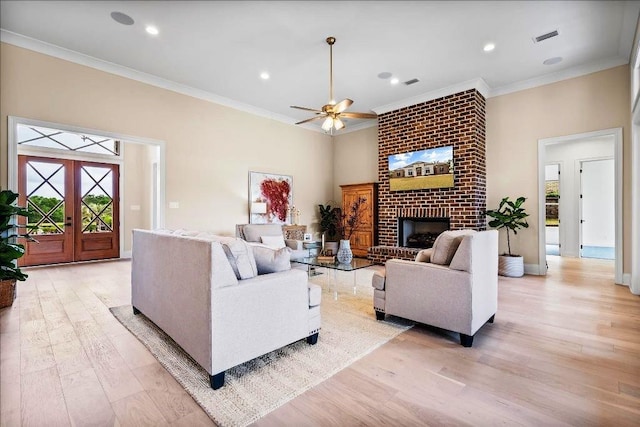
<point>597,214</point>
<point>571,152</point>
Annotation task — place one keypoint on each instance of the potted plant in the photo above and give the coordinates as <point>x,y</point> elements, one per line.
<point>330,219</point>
<point>511,216</point>
<point>10,251</point>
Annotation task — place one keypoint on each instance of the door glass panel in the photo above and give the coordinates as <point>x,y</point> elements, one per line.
<point>38,136</point>
<point>97,199</point>
<point>45,197</point>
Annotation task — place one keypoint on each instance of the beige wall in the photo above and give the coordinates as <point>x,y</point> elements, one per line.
<point>209,148</point>
<point>355,158</point>
<point>136,172</point>
<point>515,123</point>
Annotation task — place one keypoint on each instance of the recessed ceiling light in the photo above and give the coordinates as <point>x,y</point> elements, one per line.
<point>152,30</point>
<point>264,75</point>
<point>394,81</point>
<point>489,47</point>
<point>122,18</point>
<point>384,75</point>
<point>552,61</point>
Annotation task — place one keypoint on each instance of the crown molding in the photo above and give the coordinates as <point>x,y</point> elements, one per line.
<point>569,73</point>
<point>119,70</point>
<point>478,83</point>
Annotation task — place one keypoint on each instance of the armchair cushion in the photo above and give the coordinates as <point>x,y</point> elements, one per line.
<point>275,242</point>
<point>446,245</point>
<point>270,260</point>
<point>253,232</point>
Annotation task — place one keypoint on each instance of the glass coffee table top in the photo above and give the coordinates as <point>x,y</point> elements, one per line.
<point>355,264</point>
<point>332,280</point>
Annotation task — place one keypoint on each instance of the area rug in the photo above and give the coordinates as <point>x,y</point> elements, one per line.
<point>253,389</point>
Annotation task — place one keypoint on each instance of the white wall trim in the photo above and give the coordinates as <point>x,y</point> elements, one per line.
<point>119,70</point>
<point>569,73</point>
<point>477,83</point>
<point>12,159</point>
<point>535,269</point>
<point>542,143</point>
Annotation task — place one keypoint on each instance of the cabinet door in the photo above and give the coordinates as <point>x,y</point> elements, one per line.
<point>360,242</point>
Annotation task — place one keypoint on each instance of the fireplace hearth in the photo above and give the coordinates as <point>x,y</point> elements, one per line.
<point>414,232</point>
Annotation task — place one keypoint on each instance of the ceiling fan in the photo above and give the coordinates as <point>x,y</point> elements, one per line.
<point>332,112</point>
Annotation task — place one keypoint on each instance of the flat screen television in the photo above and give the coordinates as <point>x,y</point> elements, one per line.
<point>416,170</point>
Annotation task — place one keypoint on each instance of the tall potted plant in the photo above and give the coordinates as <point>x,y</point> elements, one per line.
<point>330,218</point>
<point>511,216</point>
<point>10,251</point>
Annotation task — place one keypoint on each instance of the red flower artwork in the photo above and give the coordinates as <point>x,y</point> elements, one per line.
<point>276,192</point>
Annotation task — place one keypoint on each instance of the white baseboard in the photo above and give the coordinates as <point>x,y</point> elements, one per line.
<point>626,279</point>
<point>533,269</point>
<point>125,254</point>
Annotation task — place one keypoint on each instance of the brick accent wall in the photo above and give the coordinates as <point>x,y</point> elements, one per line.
<point>457,120</point>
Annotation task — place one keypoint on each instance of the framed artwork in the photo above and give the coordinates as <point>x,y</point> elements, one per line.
<point>270,196</point>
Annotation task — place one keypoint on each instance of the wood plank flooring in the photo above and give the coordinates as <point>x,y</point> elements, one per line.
<point>564,350</point>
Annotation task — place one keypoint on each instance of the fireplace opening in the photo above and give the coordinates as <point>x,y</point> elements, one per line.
<point>420,233</point>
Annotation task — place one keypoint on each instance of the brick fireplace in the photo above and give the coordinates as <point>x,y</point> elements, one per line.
<point>457,120</point>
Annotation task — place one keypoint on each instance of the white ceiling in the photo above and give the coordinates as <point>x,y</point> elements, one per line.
<point>216,50</point>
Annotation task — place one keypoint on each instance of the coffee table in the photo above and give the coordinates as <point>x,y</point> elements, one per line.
<point>355,265</point>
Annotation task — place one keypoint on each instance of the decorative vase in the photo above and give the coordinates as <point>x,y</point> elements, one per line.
<point>344,253</point>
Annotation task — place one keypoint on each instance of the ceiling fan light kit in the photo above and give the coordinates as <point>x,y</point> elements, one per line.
<point>332,112</point>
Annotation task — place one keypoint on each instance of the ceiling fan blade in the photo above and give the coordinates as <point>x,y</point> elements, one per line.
<point>306,109</point>
<point>312,119</point>
<point>342,105</point>
<point>359,115</point>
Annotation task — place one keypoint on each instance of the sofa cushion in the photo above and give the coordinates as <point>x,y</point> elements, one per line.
<point>240,257</point>
<point>269,260</point>
<point>275,242</point>
<point>252,232</point>
<point>446,245</point>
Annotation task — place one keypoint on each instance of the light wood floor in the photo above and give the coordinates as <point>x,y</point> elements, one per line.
<point>564,350</point>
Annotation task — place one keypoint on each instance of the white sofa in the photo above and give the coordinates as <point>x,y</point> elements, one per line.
<point>452,286</point>
<point>186,283</point>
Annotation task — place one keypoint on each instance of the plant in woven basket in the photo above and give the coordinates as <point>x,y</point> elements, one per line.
<point>10,250</point>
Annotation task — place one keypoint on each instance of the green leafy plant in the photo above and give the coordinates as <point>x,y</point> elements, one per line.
<point>330,219</point>
<point>509,215</point>
<point>10,251</point>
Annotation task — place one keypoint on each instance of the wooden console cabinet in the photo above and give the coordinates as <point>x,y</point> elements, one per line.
<point>366,235</point>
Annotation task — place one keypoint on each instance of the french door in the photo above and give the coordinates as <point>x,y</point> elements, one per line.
<point>73,209</point>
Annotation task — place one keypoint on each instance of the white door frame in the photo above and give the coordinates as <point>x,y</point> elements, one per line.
<point>12,162</point>
<point>561,242</point>
<point>617,143</point>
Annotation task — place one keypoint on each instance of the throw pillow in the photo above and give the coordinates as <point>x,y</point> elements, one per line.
<point>240,257</point>
<point>275,242</point>
<point>270,260</point>
<point>446,245</point>
<point>424,255</point>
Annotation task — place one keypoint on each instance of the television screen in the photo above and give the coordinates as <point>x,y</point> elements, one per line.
<point>431,168</point>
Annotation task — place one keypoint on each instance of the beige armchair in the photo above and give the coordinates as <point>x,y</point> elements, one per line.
<point>452,286</point>
<point>254,233</point>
